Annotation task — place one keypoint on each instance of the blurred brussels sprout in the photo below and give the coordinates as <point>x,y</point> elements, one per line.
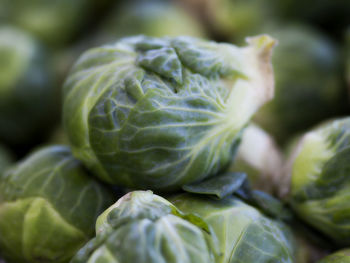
<point>158,113</point>
<point>237,19</point>
<point>259,157</point>
<point>308,87</point>
<point>26,89</point>
<point>330,15</point>
<point>342,256</point>
<point>155,18</point>
<point>145,228</point>
<point>54,22</point>
<point>5,159</point>
<point>48,206</point>
<point>244,233</point>
<point>319,181</point>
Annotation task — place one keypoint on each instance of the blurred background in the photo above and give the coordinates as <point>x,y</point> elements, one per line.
<point>40,40</point>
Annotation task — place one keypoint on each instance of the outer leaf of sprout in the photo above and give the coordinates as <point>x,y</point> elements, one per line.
<point>342,256</point>
<point>244,233</point>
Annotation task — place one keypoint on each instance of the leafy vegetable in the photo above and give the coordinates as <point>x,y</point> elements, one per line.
<point>26,90</point>
<point>158,113</point>
<point>48,206</point>
<point>142,227</point>
<point>244,233</point>
<point>54,22</point>
<point>319,179</point>
<point>331,16</point>
<point>237,19</point>
<point>308,89</point>
<point>155,18</point>
<point>259,157</point>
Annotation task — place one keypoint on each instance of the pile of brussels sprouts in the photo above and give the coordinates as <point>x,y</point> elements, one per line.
<point>174,131</point>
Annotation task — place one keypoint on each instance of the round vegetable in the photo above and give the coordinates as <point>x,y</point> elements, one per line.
<point>26,90</point>
<point>318,173</point>
<point>152,18</point>
<point>158,113</point>
<point>48,206</point>
<point>237,19</point>
<point>308,89</point>
<point>145,228</point>
<point>259,157</point>
<point>331,16</point>
<point>244,234</point>
<point>53,22</point>
<point>342,256</point>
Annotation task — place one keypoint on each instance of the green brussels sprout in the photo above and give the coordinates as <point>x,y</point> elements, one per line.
<point>152,18</point>
<point>26,90</point>
<point>318,173</point>
<point>53,22</point>
<point>330,15</point>
<point>237,19</point>
<point>5,159</point>
<point>48,206</point>
<point>158,113</point>
<point>259,157</point>
<point>342,256</point>
<point>308,87</point>
<point>145,228</point>
<point>244,233</point>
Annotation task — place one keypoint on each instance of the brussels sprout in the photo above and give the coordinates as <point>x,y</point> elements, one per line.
<point>155,18</point>
<point>26,90</point>
<point>238,19</point>
<point>307,82</point>
<point>145,228</point>
<point>319,179</point>
<point>158,113</point>
<point>48,206</point>
<point>342,256</point>
<point>54,22</point>
<point>244,233</point>
<point>5,159</point>
<point>259,157</point>
<point>331,16</point>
